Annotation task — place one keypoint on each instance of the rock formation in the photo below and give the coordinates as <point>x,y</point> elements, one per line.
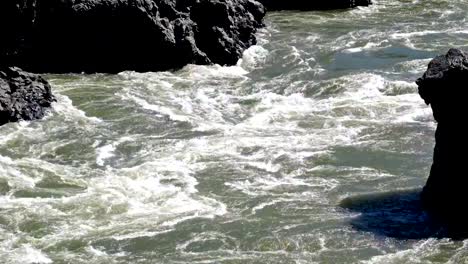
<point>23,96</point>
<point>444,87</point>
<point>275,5</point>
<point>117,35</point>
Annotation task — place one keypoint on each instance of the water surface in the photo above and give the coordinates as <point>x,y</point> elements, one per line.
<point>311,150</point>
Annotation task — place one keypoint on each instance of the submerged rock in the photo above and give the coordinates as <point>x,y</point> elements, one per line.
<point>23,96</point>
<point>275,5</point>
<point>116,35</point>
<point>444,87</point>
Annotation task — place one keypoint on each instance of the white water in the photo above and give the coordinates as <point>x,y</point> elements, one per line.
<point>241,164</point>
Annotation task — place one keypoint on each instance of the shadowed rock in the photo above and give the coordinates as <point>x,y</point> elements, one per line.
<point>117,35</point>
<point>23,96</point>
<point>444,87</point>
<point>304,5</point>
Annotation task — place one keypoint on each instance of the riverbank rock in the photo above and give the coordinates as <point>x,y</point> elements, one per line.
<point>23,96</point>
<point>304,5</point>
<point>443,86</point>
<point>117,35</point>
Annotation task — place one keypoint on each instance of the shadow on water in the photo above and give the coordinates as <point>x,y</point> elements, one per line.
<point>397,214</point>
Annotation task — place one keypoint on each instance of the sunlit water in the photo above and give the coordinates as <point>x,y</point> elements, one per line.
<point>311,150</point>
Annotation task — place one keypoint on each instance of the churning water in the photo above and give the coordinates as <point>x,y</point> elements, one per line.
<point>311,150</point>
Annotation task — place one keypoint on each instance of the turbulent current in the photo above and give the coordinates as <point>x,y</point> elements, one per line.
<point>313,149</point>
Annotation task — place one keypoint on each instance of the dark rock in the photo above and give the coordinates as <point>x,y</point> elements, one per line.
<point>444,87</point>
<point>304,5</point>
<point>23,96</point>
<point>116,35</point>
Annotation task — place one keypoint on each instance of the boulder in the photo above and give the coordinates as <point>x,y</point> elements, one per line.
<point>444,87</point>
<point>23,96</point>
<point>305,5</point>
<point>116,35</point>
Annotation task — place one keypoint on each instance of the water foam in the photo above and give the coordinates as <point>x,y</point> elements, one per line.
<point>26,254</point>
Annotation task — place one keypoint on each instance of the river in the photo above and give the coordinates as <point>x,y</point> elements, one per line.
<point>313,149</point>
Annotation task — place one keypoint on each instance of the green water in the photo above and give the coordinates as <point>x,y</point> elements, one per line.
<point>312,150</point>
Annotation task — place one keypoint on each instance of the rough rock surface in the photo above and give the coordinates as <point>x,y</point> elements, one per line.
<point>275,5</point>
<point>444,87</point>
<point>23,96</point>
<point>116,35</point>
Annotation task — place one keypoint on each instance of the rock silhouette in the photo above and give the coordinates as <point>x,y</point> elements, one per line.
<point>443,86</point>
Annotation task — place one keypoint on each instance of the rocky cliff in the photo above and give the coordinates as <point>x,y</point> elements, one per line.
<point>117,35</point>
<point>23,96</point>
